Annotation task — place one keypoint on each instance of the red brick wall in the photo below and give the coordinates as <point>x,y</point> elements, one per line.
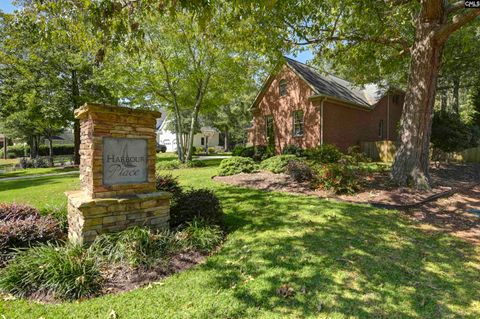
<point>344,125</point>
<point>282,108</point>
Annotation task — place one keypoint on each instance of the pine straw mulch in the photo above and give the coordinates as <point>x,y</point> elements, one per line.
<point>450,206</point>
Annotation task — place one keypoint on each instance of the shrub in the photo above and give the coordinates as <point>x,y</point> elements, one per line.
<point>237,150</point>
<point>26,163</point>
<point>277,164</point>
<point>236,165</point>
<point>23,226</point>
<point>14,211</point>
<point>293,150</point>
<point>168,183</point>
<point>193,164</point>
<point>198,235</point>
<point>299,171</point>
<point>212,150</point>
<point>196,203</point>
<point>326,153</point>
<point>167,165</point>
<point>67,272</point>
<point>248,152</point>
<point>263,152</point>
<point>338,177</point>
<point>24,150</point>
<point>357,155</point>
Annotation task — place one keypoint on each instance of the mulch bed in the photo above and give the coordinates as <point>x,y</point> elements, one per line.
<point>123,278</point>
<point>446,207</point>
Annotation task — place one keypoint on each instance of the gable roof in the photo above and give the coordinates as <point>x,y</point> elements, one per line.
<point>329,86</point>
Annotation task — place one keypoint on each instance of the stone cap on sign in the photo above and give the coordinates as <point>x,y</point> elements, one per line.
<point>87,108</point>
<point>79,199</point>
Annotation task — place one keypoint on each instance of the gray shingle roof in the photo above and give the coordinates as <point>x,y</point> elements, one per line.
<point>329,85</point>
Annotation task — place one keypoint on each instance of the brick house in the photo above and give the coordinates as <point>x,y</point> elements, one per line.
<point>298,105</point>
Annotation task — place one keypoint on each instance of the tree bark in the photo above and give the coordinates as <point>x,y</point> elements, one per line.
<point>411,166</point>
<point>5,147</point>
<point>225,146</point>
<point>412,157</point>
<point>50,152</point>
<point>443,102</point>
<point>76,123</point>
<point>456,98</point>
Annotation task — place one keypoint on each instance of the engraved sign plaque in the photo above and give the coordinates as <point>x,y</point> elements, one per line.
<point>124,161</point>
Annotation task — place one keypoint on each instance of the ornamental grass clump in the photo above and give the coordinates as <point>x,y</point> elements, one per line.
<point>198,235</point>
<point>135,246</point>
<point>236,165</point>
<point>64,272</point>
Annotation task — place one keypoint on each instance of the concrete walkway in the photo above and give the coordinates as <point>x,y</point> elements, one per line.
<point>36,176</point>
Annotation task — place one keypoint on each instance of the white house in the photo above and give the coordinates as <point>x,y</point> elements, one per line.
<point>209,137</point>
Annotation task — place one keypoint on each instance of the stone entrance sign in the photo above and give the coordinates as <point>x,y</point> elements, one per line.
<point>117,173</point>
<point>124,161</point>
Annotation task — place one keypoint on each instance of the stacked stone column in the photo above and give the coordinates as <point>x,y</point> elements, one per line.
<point>101,207</point>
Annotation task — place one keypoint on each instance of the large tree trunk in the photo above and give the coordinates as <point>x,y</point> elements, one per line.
<point>225,144</point>
<point>432,31</point>
<point>76,123</point>
<point>412,158</point>
<point>456,98</point>
<point>191,133</point>
<point>443,102</point>
<point>50,152</point>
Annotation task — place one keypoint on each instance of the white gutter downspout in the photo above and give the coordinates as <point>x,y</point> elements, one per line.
<point>321,120</point>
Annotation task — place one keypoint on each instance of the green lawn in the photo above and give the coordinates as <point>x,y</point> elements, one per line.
<point>342,261</point>
<point>36,171</point>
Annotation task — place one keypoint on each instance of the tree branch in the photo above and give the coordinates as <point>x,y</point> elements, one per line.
<point>455,6</point>
<point>442,34</point>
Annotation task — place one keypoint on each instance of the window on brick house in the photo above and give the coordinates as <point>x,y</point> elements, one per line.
<point>202,140</point>
<point>298,123</point>
<point>282,87</point>
<point>380,129</point>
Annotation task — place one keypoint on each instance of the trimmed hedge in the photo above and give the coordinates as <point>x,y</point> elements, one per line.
<point>22,150</point>
<point>277,164</point>
<point>236,165</point>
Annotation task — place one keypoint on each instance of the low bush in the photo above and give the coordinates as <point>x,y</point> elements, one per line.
<point>176,164</point>
<point>14,211</point>
<point>38,162</point>
<point>326,153</point>
<point>168,183</point>
<point>357,155</point>
<point>167,165</point>
<point>212,150</point>
<point>243,151</point>
<point>277,164</point>
<point>263,152</point>
<point>23,226</point>
<point>198,235</point>
<point>293,150</point>
<point>196,203</point>
<point>193,164</point>
<point>338,177</point>
<point>299,171</point>
<point>24,150</point>
<point>236,165</point>
<point>67,272</point>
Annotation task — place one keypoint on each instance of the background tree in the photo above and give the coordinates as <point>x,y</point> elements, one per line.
<point>181,64</point>
<point>50,57</point>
